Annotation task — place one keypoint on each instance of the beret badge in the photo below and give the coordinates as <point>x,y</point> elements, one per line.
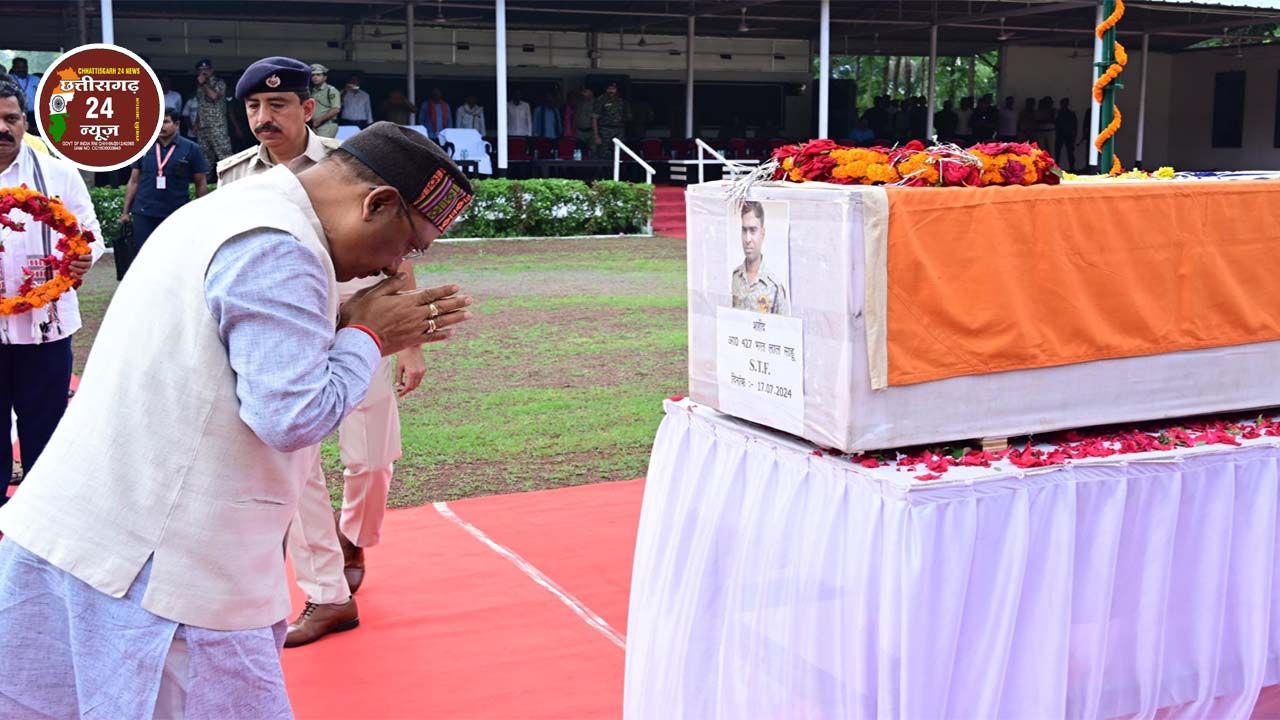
<point>272,82</point>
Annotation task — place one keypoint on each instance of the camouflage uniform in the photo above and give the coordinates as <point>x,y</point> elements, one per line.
<point>214,140</point>
<point>765,295</point>
<point>612,113</point>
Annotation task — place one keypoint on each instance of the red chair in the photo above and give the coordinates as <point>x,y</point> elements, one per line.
<point>651,149</point>
<point>542,148</point>
<point>759,148</point>
<point>776,143</point>
<point>737,148</point>
<point>567,146</point>
<point>518,149</point>
<point>683,149</point>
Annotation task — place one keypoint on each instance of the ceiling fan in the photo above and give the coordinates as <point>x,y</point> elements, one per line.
<point>643,42</point>
<point>1232,47</point>
<point>1004,34</point>
<point>744,28</point>
<point>440,18</point>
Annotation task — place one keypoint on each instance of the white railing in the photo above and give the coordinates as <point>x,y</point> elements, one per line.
<point>733,167</point>
<point>618,148</point>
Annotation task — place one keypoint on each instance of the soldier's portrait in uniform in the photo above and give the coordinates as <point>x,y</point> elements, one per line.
<point>761,282</point>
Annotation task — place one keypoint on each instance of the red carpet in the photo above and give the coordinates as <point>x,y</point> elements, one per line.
<point>451,629</point>
<point>668,211</point>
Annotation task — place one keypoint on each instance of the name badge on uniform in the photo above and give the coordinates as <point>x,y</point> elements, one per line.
<point>160,183</point>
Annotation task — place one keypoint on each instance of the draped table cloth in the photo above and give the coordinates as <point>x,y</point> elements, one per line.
<point>773,581</point>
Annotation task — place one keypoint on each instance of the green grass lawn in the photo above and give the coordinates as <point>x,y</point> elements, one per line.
<point>558,379</point>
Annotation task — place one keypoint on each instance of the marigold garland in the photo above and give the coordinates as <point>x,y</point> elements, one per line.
<point>914,165</point>
<point>1108,77</point>
<point>73,242</point>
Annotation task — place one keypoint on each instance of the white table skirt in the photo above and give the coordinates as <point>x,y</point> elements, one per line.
<point>773,583</point>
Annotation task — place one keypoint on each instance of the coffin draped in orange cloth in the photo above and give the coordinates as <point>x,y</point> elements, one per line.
<point>983,280</point>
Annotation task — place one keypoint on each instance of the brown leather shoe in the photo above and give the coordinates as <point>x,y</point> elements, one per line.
<point>318,620</point>
<point>352,559</point>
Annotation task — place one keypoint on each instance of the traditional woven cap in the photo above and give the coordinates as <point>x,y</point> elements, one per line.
<point>318,69</point>
<point>274,74</point>
<point>423,173</point>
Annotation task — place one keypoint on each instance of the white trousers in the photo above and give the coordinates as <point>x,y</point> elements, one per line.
<point>369,442</point>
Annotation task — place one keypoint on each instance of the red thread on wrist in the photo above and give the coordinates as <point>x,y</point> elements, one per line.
<point>373,335</point>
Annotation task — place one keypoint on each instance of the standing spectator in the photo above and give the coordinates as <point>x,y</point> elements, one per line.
<point>1027,121</point>
<point>211,121</point>
<point>583,112</point>
<point>191,117</point>
<point>160,181</point>
<point>876,117</point>
<point>1065,135</point>
<point>397,108</point>
<point>1008,121</point>
<point>1045,123</point>
<point>901,119</point>
<point>918,118</point>
<point>519,116</point>
<point>471,115</point>
<point>435,114</point>
<point>964,130</point>
<point>945,122</point>
<point>357,109</point>
<point>35,346</point>
<point>983,121</point>
<point>172,98</point>
<point>546,118</point>
<point>328,102</point>
<point>18,73</point>
<point>609,119</point>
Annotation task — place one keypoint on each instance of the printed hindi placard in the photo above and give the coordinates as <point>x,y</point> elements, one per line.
<point>760,367</point>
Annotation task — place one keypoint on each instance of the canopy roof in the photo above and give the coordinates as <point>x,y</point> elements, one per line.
<point>858,26</point>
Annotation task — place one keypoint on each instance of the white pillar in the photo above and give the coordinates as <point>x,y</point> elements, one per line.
<point>108,24</point>
<point>688,80</point>
<point>84,23</point>
<point>1142,96</point>
<point>824,70</point>
<point>409,59</point>
<point>500,39</point>
<point>933,80</point>
<point>1095,109</point>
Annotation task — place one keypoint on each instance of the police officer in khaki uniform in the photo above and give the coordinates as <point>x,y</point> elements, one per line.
<point>328,102</point>
<point>328,561</point>
<point>754,287</point>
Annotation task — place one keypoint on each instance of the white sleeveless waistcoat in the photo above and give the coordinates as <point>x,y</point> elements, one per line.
<point>152,458</point>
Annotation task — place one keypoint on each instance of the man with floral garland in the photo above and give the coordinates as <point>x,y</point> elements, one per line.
<point>35,346</point>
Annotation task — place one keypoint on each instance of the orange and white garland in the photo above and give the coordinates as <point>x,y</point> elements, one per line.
<point>73,242</point>
<point>1105,79</point>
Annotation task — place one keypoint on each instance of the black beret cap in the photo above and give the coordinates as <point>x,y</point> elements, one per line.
<point>423,172</point>
<point>274,74</point>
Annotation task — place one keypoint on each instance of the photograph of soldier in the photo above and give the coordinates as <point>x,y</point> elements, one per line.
<point>754,284</point>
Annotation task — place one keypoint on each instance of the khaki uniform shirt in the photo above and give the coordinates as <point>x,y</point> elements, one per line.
<point>765,295</point>
<point>327,98</point>
<point>256,160</point>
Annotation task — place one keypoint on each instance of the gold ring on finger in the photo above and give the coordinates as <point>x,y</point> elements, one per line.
<point>435,311</point>
<point>431,326</point>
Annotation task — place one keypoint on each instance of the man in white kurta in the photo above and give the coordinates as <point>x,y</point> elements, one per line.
<point>35,346</point>
<point>141,572</point>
